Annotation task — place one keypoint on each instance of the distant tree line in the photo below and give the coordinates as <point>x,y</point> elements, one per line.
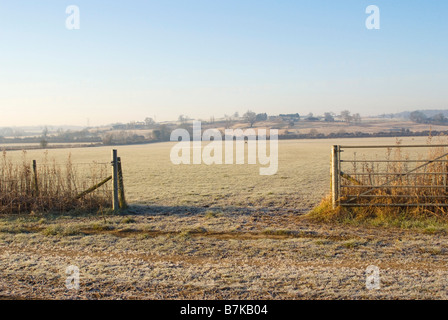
<point>60,136</point>
<point>126,133</point>
<point>161,133</point>
<point>420,117</point>
<point>314,134</point>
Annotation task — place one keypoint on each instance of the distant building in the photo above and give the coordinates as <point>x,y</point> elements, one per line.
<point>290,117</point>
<point>312,119</point>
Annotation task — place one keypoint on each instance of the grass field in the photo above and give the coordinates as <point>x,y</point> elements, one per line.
<point>215,232</point>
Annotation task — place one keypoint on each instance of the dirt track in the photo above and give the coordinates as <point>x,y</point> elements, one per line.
<point>231,256</point>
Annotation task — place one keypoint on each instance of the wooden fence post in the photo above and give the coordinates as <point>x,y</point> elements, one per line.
<point>115,203</point>
<point>36,186</point>
<point>121,197</point>
<point>335,176</point>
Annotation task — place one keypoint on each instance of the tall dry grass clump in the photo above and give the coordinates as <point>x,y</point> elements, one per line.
<point>404,182</point>
<point>51,187</point>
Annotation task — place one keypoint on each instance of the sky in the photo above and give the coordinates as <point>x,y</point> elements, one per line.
<point>135,59</point>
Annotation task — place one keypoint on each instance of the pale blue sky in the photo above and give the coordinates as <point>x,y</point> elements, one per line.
<point>133,59</point>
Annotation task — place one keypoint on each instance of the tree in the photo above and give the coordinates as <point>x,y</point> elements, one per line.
<point>162,134</point>
<point>250,117</point>
<point>228,121</point>
<point>182,118</point>
<point>107,139</point>
<point>345,115</point>
<point>439,118</point>
<point>45,133</point>
<point>328,117</point>
<point>149,121</point>
<point>356,118</point>
<point>44,141</point>
<point>417,116</point>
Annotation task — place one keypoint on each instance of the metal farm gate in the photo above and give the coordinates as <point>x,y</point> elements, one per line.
<point>389,176</point>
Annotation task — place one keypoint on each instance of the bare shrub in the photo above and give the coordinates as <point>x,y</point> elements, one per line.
<point>54,188</point>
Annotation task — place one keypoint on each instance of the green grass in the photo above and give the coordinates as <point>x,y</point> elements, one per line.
<point>379,217</point>
<point>127,220</point>
<point>211,214</point>
<point>281,232</point>
<point>101,226</point>
<point>351,244</point>
<point>53,230</point>
<point>13,229</point>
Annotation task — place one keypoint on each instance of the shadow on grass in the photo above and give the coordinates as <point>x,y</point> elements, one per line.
<point>155,210</point>
<point>141,209</point>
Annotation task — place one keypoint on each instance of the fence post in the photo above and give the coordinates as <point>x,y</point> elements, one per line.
<point>335,176</point>
<point>36,186</point>
<point>121,197</point>
<point>115,203</point>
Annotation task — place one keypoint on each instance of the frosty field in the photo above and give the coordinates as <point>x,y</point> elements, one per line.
<point>216,232</point>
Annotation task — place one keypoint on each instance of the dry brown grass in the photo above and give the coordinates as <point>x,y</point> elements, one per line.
<point>52,187</point>
<point>406,182</point>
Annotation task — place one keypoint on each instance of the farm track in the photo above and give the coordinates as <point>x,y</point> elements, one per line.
<point>148,257</point>
<point>294,259</point>
<point>235,235</point>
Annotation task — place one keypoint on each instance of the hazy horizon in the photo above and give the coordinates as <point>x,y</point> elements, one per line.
<point>55,126</point>
<point>200,58</point>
